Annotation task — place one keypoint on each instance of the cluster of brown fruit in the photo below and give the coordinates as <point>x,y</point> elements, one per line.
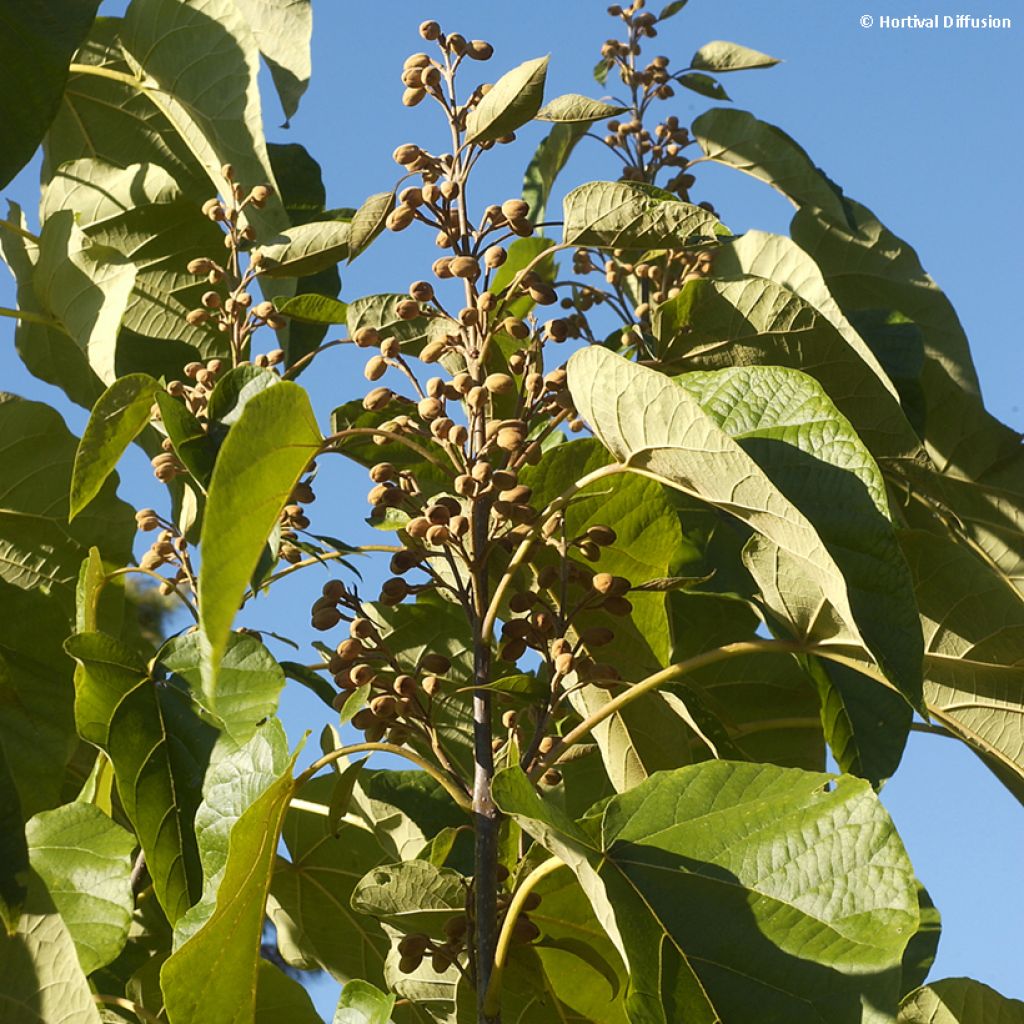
<point>169,547</point>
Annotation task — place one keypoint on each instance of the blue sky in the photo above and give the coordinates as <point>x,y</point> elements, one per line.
<point>920,125</point>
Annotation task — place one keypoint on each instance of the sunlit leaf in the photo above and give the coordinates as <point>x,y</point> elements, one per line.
<point>368,222</point>
<point>959,1001</point>
<point>573,108</point>
<point>720,56</point>
<point>512,101</point>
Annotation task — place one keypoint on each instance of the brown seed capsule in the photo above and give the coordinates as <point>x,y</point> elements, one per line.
<point>377,399</point>
<point>524,930</point>
<point>458,435</point>
<point>469,316</point>
<point>375,368</point>
<point>589,550</point>
<point>366,337</point>
<point>508,439</point>
<point>433,351</point>
<point>408,309</point>
<point>411,97</point>
<point>405,686</point>
<point>597,636</point>
<point>350,649</point>
<point>466,267</point>
<point>438,536</point>
<point>431,686</point>
<point>552,777</point>
<point>512,650</point>
<point>441,268</point>
<point>515,209</point>
<point>409,964</point>
<point>326,618</point>
<point>435,664</point>
<point>479,50</point>
<point>429,408</point>
<point>494,257</point>
<point>499,383</point>
<point>604,536</point>
<point>333,590</point>
<point>440,961</point>
<point>421,291</point>
<point>430,30</point>
<point>200,266</point>
<point>564,664</point>
<point>194,317</point>
<point>384,706</point>
<point>617,605</point>
<point>532,901</point>
<point>400,218</point>
<point>363,719</point>
<point>418,527</point>
<point>543,294</point>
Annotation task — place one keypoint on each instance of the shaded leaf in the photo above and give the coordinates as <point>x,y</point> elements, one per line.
<point>512,101</point>
<point>959,1001</point>
<point>40,977</point>
<point>260,462</point>
<point>720,56</point>
<point>709,879</point>
<point>281,998</point>
<point>546,164</point>
<point>703,84</point>
<point>631,215</point>
<point>198,981</point>
<point>669,10</point>
<point>738,139</point>
<point>193,445</point>
<point>119,416</point>
<point>414,896</point>
<point>13,850</point>
<point>85,859</point>
<point>379,312</point>
<point>39,39</point>
<point>919,956</point>
<point>159,752</point>
<point>573,108</point>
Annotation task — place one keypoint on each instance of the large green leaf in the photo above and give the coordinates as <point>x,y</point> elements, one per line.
<point>311,893</point>
<point>720,56</point>
<point>368,222</point>
<point>766,445</point>
<point>959,1001</point>
<point>119,416</point>
<point>38,548</point>
<point>46,349</point>
<point>306,249</point>
<point>362,1003</point>
<point>86,286</point>
<point>238,775</point>
<point>738,139</point>
<point>413,896</point>
<point>648,735</point>
<point>245,690</point>
<point>159,750</point>
<point>768,304</point>
<point>37,725</point>
<point>974,647</point>
<point>283,31</point>
<point>573,109</point>
<point>632,215</point>
<point>546,164</point>
<point>37,41</point>
<point>281,998</point>
<point>214,974</point>
<point>216,46</point>
<point>141,212</point>
<point>260,462</point>
<point>41,981</point>
<point>718,884</point>
<point>85,860</point>
<point>512,101</point>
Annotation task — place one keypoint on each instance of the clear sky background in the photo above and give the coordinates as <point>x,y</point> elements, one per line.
<point>921,126</point>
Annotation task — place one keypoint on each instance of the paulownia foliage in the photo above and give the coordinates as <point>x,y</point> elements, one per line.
<point>661,515</point>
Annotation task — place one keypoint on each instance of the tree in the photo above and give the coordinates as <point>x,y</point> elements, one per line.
<point>760,512</point>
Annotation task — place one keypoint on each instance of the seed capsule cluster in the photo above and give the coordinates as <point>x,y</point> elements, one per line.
<point>169,548</point>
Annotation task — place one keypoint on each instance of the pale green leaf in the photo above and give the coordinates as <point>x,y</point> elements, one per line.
<point>379,312</point>
<point>573,108</point>
<point>783,425</point>
<point>141,212</point>
<point>196,52</point>
<point>283,31</point>
<point>41,981</point>
<point>314,309</point>
<point>720,56</point>
<point>513,101</point>
<point>38,42</point>
<point>671,9</point>
<point>159,751</point>
<point>304,250</point>
<point>717,882</point>
<point>362,1003</point>
<point>414,896</point>
<point>959,1001</point>
<point>46,349</point>
<point>200,981</point>
<point>974,647</point>
<point>120,415</point>
<point>86,286</point>
<point>368,222</point>
<point>85,860</point>
<point>631,215</point>
<point>738,139</point>
<point>246,688</point>
<point>238,775</point>
<point>546,164</point>
<point>260,462</point>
